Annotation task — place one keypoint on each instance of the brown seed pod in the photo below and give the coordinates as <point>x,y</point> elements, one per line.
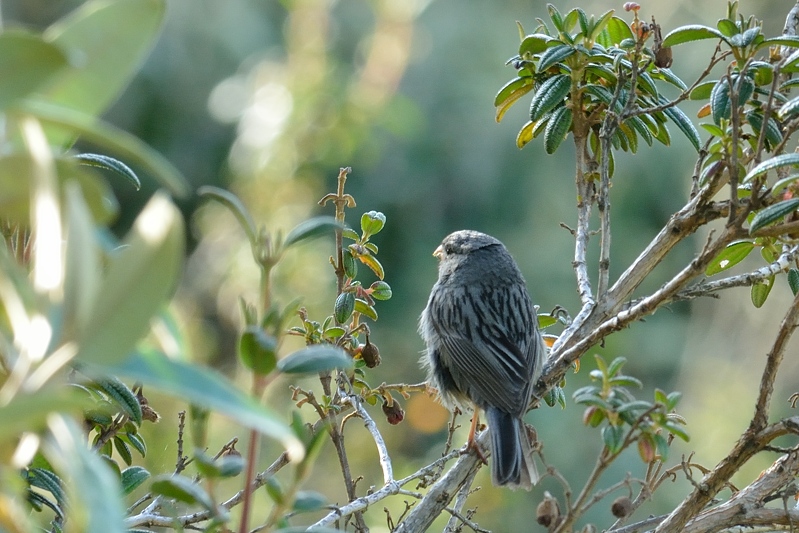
<point>394,413</point>
<point>370,354</point>
<point>548,511</point>
<point>621,507</point>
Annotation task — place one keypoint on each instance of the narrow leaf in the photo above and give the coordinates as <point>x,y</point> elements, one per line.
<point>557,128</point>
<point>103,134</point>
<point>310,229</point>
<point>793,280</point>
<point>554,55</point>
<point>122,396</point>
<point>683,123</point>
<point>773,213</point>
<point>783,160</point>
<point>549,95</point>
<point>235,206</point>
<point>503,102</point>
<point>205,388</point>
<point>761,290</point>
<point>109,163</point>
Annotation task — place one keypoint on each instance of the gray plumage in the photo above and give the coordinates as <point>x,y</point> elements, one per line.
<point>483,345</point>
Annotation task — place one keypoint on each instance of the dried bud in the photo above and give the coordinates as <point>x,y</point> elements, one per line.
<point>548,511</point>
<point>593,416</point>
<point>663,58</point>
<point>147,412</point>
<point>370,354</point>
<point>631,6</point>
<point>394,413</point>
<point>646,448</point>
<point>621,507</point>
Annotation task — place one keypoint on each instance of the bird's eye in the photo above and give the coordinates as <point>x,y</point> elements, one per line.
<point>449,249</point>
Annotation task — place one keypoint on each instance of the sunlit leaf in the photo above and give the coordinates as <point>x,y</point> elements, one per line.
<point>26,64</point>
<point>141,276</point>
<point>103,134</point>
<point>760,291</point>
<point>111,40</point>
<point>205,388</point>
<point>694,32</point>
<point>733,254</point>
<point>109,163</point>
<point>533,44</point>
<point>365,309</point>
<point>510,93</point>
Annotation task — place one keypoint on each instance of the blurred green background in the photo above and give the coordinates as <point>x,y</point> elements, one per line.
<point>270,98</point>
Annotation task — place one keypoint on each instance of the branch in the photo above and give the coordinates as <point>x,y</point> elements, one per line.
<point>369,423</point>
<point>749,443</point>
<point>442,492</point>
<point>390,489</point>
<point>782,264</point>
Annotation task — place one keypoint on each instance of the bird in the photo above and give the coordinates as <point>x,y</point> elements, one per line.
<point>483,347</point>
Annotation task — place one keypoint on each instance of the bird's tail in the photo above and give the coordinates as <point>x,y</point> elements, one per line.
<point>512,461</point>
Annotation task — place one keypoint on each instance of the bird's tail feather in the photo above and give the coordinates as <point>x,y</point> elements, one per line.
<point>512,464</point>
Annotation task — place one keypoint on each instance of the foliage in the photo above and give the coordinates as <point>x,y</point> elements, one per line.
<point>81,311</point>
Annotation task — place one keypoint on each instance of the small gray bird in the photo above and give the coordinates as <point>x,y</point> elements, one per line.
<point>483,346</point>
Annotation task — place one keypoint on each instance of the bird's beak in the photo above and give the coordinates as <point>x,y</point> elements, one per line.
<point>438,253</point>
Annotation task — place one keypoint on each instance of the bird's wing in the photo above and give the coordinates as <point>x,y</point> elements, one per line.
<point>481,345</point>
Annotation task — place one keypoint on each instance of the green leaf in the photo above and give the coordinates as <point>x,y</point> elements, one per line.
<point>713,130</point>
<point>109,163</point>
<point>122,396</point>
<point>82,270</point>
<point>533,44</point>
<point>141,276</point>
<point>600,25</point>
<point>27,63</point>
<point>668,76</point>
<point>112,40</point>
<point>372,223</point>
<point>789,109</point>
<point>343,307</point>
<point>123,450</point>
<point>235,206</point>
<point>308,500</point>
<point>760,291</point>
<point>132,478</point>
<point>365,309</point>
<point>720,101</point>
<point>558,127</point>
<point>314,359</point>
<point>204,388</point>
<point>733,254</point>
<point>728,27</point>
<point>554,55</point>
<point>613,437</point>
<point>545,320</point>
<point>549,95</point>
<point>614,367</point>
<point>773,213</point>
<point>783,160</point>
<point>381,290</point>
<point>182,489</point>
<point>225,466</point>
<point>310,229</point>
<point>694,32</point>
<point>103,134</point>
<point>95,504</point>
<point>683,123</point>
<point>510,93</point>
<point>258,350</point>
<point>556,17</point>
<point>793,280</point>
<point>618,30</point>
<point>783,40</point>
<point>773,133</point>
<point>703,90</point>
<point>625,381</point>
